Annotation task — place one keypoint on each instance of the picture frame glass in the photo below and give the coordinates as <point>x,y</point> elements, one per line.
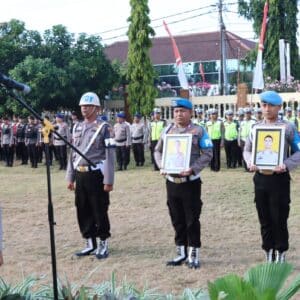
<point>268,146</point>
<point>176,153</point>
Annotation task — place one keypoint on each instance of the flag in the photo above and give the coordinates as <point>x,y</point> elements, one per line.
<point>202,72</point>
<point>258,78</point>
<point>181,75</point>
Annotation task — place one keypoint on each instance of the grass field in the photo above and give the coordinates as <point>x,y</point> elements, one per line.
<point>142,237</point>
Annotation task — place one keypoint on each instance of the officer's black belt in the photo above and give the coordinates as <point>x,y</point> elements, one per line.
<point>84,169</point>
<point>121,141</point>
<point>137,137</point>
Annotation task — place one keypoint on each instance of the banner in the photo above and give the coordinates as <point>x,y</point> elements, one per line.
<point>258,78</point>
<point>181,75</point>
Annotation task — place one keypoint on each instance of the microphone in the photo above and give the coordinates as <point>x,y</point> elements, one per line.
<point>12,84</point>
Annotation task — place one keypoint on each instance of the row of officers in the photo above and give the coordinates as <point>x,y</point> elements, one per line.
<point>26,140</point>
<point>230,133</point>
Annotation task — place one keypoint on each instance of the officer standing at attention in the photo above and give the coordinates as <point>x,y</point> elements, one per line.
<point>244,130</point>
<point>123,141</point>
<point>60,145</point>
<point>215,129</point>
<point>31,141</point>
<point>92,184</point>
<point>230,139</point>
<point>21,148</point>
<point>138,136</point>
<point>272,187</point>
<point>184,189</point>
<point>156,127</point>
<point>7,142</point>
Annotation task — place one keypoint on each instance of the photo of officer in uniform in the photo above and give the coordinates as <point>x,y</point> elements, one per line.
<point>267,156</point>
<point>177,158</point>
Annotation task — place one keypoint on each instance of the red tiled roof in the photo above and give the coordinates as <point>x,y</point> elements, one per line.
<point>192,47</point>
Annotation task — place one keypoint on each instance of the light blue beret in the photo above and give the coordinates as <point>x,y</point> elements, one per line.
<point>182,102</point>
<point>270,97</point>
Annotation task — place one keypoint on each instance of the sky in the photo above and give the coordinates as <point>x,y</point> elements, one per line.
<point>108,18</point>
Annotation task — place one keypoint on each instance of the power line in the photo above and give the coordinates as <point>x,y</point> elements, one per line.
<point>157,19</point>
<point>157,26</point>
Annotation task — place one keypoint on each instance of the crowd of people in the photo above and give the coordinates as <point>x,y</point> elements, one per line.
<point>92,176</point>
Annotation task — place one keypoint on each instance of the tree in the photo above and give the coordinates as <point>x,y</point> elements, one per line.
<point>89,69</point>
<point>47,84</point>
<point>282,24</point>
<point>140,72</point>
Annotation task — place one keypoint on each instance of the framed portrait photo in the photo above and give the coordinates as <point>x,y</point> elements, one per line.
<point>268,146</point>
<point>176,153</point>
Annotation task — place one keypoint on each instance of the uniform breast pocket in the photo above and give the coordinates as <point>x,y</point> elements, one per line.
<point>77,138</point>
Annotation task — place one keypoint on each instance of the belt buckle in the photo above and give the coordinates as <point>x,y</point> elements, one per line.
<point>177,180</point>
<point>267,172</point>
<point>82,168</point>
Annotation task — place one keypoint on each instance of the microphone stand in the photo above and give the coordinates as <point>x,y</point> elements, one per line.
<point>47,129</point>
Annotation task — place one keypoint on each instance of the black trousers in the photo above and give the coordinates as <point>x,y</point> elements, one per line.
<point>123,156</point>
<point>152,147</point>
<point>242,146</point>
<point>184,203</point>
<point>138,153</point>
<point>33,155</point>
<point>92,204</point>
<point>22,152</point>
<point>215,163</point>
<point>9,152</point>
<point>272,199</point>
<point>231,149</point>
<point>61,152</point>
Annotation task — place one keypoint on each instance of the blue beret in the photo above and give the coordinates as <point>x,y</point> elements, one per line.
<point>102,118</point>
<point>137,115</point>
<point>121,115</point>
<point>61,116</point>
<point>271,97</point>
<point>181,102</point>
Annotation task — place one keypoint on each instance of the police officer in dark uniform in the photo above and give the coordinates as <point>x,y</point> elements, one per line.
<point>20,135</point>
<point>31,141</point>
<point>7,142</point>
<point>272,187</point>
<point>92,184</point>
<point>184,189</point>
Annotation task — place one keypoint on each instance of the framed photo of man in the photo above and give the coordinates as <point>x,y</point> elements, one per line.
<point>176,153</point>
<point>268,146</point>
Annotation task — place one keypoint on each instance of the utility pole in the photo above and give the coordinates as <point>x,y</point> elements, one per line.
<point>223,73</point>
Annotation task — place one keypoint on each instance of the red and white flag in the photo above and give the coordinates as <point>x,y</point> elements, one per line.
<point>201,69</point>
<point>181,75</point>
<point>258,78</point>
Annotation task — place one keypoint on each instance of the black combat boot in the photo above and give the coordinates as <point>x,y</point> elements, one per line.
<point>270,256</point>
<point>279,257</point>
<point>91,245</point>
<point>193,261</point>
<point>180,258</point>
<point>102,249</point>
